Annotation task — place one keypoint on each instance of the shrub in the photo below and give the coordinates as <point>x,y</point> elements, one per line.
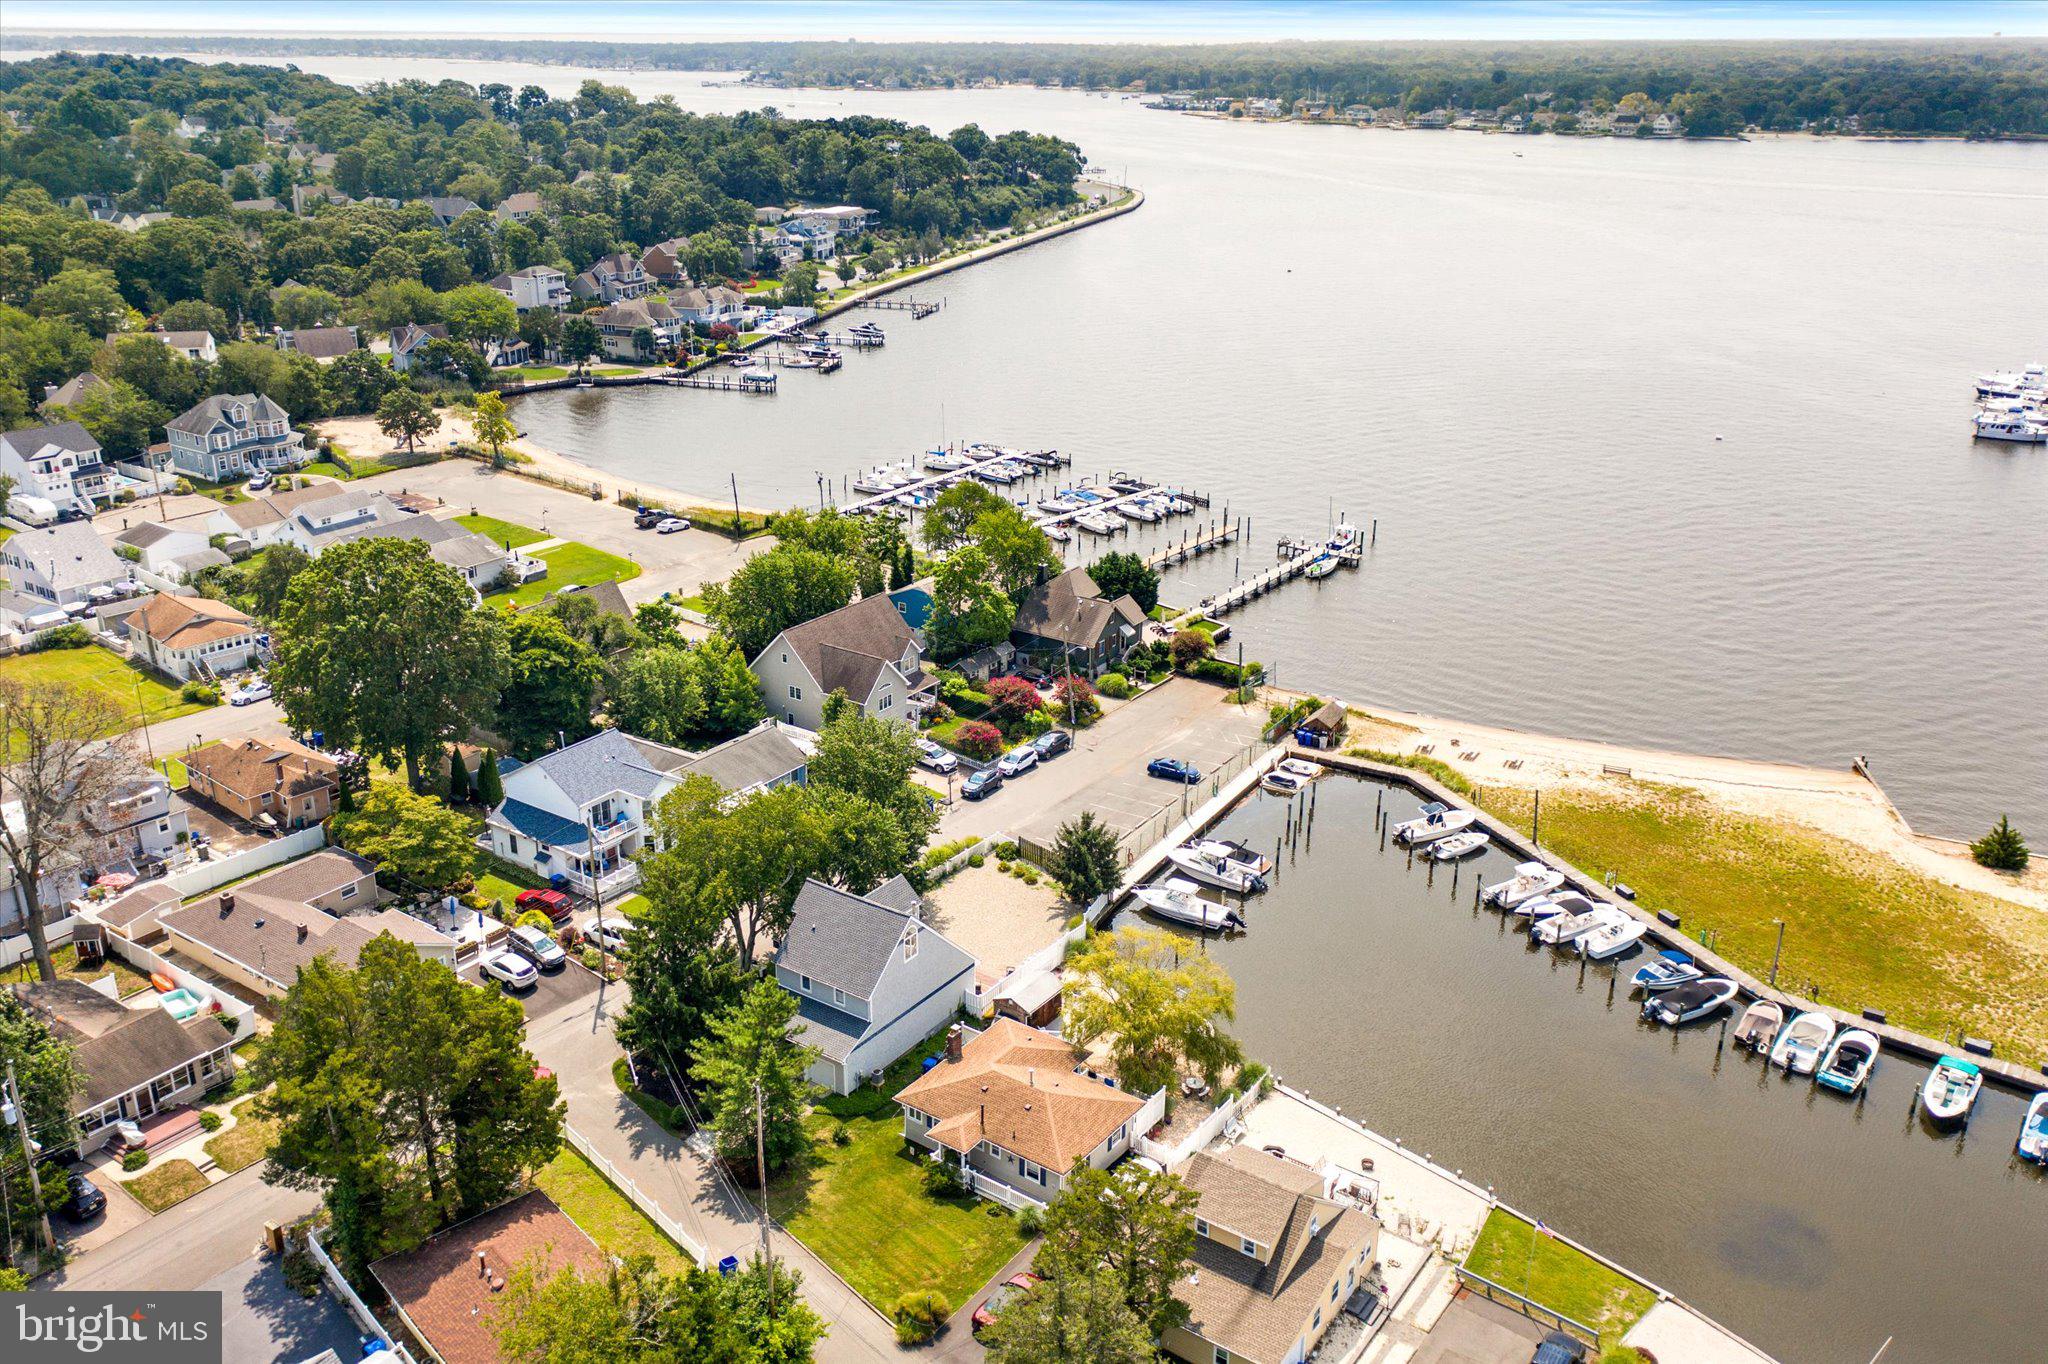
<point>1011,699</point>
<point>942,1179</point>
<point>976,860</point>
<point>210,1121</point>
<point>1006,851</point>
<point>1030,876</point>
<point>842,1135</point>
<point>1188,648</point>
<point>1030,1221</point>
<point>534,918</point>
<point>979,739</point>
<point>1115,686</point>
<point>593,959</point>
<point>72,636</point>
<point>1003,867</point>
<point>2003,849</point>
<point>200,693</point>
<point>1074,695</point>
<point>919,1314</point>
<point>134,1160</point>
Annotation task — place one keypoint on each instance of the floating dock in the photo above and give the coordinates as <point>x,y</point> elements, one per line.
<point>742,381</point>
<point>1200,543</point>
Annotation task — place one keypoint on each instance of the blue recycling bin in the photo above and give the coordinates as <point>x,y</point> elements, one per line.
<point>729,1266</point>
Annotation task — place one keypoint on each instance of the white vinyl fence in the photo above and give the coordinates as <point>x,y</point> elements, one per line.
<point>17,949</point>
<point>201,877</point>
<point>339,1286</point>
<point>148,962</point>
<point>613,1175</point>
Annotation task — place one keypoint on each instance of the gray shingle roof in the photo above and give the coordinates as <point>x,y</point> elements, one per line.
<point>74,388</point>
<point>833,1033</point>
<point>324,342</point>
<point>605,762</point>
<point>845,650</point>
<point>202,416</point>
<point>27,441</point>
<point>1071,609</point>
<point>68,556</point>
<point>542,826</point>
<point>754,758</point>
<point>846,941</point>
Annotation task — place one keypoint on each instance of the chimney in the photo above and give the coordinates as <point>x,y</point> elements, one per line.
<point>1031,1076</point>
<point>953,1043</point>
<point>483,1270</point>
<point>227,902</point>
<point>302,932</point>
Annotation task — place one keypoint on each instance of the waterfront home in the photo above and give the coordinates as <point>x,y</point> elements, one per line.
<point>612,280</point>
<point>1435,118</point>
<point>60,463</point>
<point>232,435</point>
<point>342,513</point>
<point>579,814</point>
<point>1011,1110</point>
<point>132,1063</point>
<point>618,326</point>
<point>1667,126</point>
<point>188,638</point>
<point>55,568</point>
<point>273,782</point>
<point>409,344</point>
<point>537,286</point>
<point>1066,621</point>
<point>517,208</point>
<point>865,650</point>
<point>845,220</point>
<point>509,353</point>
<point>449,1289</point>
<point>1263,108</point>
<point>1275,1259</point>
<point>1625,122</point>
<point>663,262</point>
<point>711,306</point>
<point>69,392</point>
<point>484,564</point>
<point>322,343</point>
<point>259,937</point>
<point>446,208</point>
<point>871,978</point>
<point>802,238</point>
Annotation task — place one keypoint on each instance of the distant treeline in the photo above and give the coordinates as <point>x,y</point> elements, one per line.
<point>1981,88</point>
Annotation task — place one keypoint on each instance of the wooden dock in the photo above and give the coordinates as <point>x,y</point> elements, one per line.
<point>1286,571</point>
<point>728,382</point>
<point>938,480</point>
<point>1193,546</point>
<point>917,308</point>
<point>1120,490</point>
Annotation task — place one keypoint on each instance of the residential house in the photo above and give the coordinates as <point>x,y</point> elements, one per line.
<point>712,306</point>
<point>166,556</point>
<point>579,814</point>
<point>517,208</point>
<point>189,638</point>
<point>1625,122</point>
<point>446,208</point>
<point>1667,126</point>
<point>133,914</point>
<point>1263,108</point>
<point>51,570</point>
<point>1276,1257</point>
<point>62,881</point>
<point>483,563</point>
<point>138,822</point>
<point>322,343</point>
<point>1068,621</point>
<point>196,346</point>
<point>306,198</point>
<point>260,939</point>
<point>258,780</point>
<point>663,262</point>
<point>507,353</point>
<point>409,344</point>
<point>865,650</point>
<point>802,239</point>
<point>536,286</point>
<point>345,512</point>
<point>262,519</point>
<point>448,1290</point>
<point>260,204</point>
<point>618,325</point>
<point>71,390</point>
<point>844,220</point>
<point>135,222</point>
<point>231,435</point>
<point>190,126</point>
<point>132,1063</point>
<point>60,463</point>
<point>333,879</point>
<point>280,128</point>
<point>612,280</point>
<point>871,978</point>
<point>1009,1106</point>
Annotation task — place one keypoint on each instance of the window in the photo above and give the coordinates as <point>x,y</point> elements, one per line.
<point>785,658</point>
<point>886,702</point>
<point>1201,1226</point>
<point>910,944</point>
<point>806,986</point>
<point>796,693</point>
<point>1315,1322</point>
<point>1335,1288</point>
<point>347,892</point>
<point>838,995</point>
<point>1248,1246</point>
<point>1222,1355</point>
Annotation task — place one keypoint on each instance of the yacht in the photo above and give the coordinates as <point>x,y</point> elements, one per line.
<point>1530,880</point>
<point>1180,900</point>
<point>1436,821</point>
<point>1136,510</point>
<point>1228,866</point>
<point>874,481</point>
<point>998,471</point>
<point>1802,1044</point>
<point>2031,380</point>
<point>2012,426</point>
<point>1848,1062</point>
<point>944,461</point>
<point>1951,1089</point>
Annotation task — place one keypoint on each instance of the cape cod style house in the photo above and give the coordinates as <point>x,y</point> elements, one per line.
<point>866,650</point>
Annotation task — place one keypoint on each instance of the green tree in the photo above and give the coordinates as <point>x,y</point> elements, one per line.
<point>404,414</point>
<point>551,684</point>
<point>1123,573</point>
<point>1019,554</point>
<point>580,340</point>
<point>477,312</point>
<point>969,608</point>
<point>403,1094</point>
<point>195,315</point>
<point>778,589</point>
<point>731,692</point>
<point>745,860</point>
<point>491,426</point>
<point>490,787</point>
<point>122,420</point>
<point>753,1074</point>
<point>458,777</point>
<point>199,199</point>
<point>1138,1224</point>
<point>411,837</point>
<point>155,370</point>
<point>684,969</point>
<point>358,381</point>
<point>269,579</point>
<point>383,650</point>
<point>656,695</point>
<point>43,1066</point>
<point>2002,849</point>
<point>1075,1318</point>
<point>1085,859</point>
<point>1188,648</point>
<point>950,518</point>
<point>632,1314</point>
<point>1160,1008</point>
<point>87,296</point>
<point>800,284</point>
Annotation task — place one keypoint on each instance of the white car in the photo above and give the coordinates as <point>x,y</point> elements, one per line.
<point>1018,761</point>
<point>669,525</point>
<point>613,935</point>
<point>514,972</point>
<point>250,693</point>
<point>934,758</point>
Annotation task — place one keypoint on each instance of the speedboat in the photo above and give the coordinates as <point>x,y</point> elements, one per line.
<point>1436,821</point>
<point>1951,1089</point>
<point>1059,505</point>
<point>1665,971</point>
<point>1283,783</point>
<point>1848,1061</point>
<point>1059,535</point>
<point>800,362</point>
<point>739,359</point>
<point>1759,1025</point>
<point>1457,846</point>
<point>873,481</point>
<point>1181,900</point>
<point>1805,1039</point>
<point>914,501</point>
<point>1098,523</point>
<point>1611,938</point>
<point>1560,929</point>
<point>1530,880</point>
<point>1228,866</point>
<point>2033,1143</point>
<point>1689,1002</point>
<point>1321,567</point>
<point>1550,906</point>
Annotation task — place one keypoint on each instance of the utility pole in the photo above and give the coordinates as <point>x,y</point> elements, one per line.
<point>1536,824</point>
<point>35,1182</point>
<point>736,505</point>
<point>1776,952</point>
<point>761,1171</point>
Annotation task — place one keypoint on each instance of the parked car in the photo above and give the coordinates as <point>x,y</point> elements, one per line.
<point>514,972</point>
<point>669,525</point>
<point>982,783</point>
<point>1018,761</point>
<point>1559,1348</point>
<point>1037,677</point>
<point>552,903</point>
<point>249,693</point>
<point>648,519</point>
<point>612,934</point>
<point>1052,743</point>
<point>1173,769</point>
<point>83,1200</point>
<point>935,758</point>
<point>1016,1286</point>
<point>538,948</point>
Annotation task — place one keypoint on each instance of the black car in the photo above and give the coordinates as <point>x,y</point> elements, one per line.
<point>85,1201</point>
<point>982,783</point>
<point>1052,742</point>
<point>1037,677</point>
<point>1559,1348</point>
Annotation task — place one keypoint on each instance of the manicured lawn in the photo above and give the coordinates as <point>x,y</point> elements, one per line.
<point>531,373</point>
<point>863,1209</point>
<point>128,981</point>
<point>501,532</point>
<point>1511,1253</point>
<point>501,880</point>
<point>245,1143</point>
<point>601,1210</point>
<point>1863,931</point>
<point>330,469</point>
<point>947,734</point>
<point>174,768</point>
<point>136,696</point>
<point>570,565</point>
<point>174,1181</point>
<point>634,907</point>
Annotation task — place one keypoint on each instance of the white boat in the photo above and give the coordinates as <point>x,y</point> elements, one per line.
<point>914,501</point>
<point>1759,1025</point>
<point>1320,567</point>
<point>800,362</point>
<point>1059,505</point>
<point>2011,426</point>
<point>1689,1002</point>
<point>1283,783</point>
<point>739,359</point>
<point>1805,1039</point>
<point>1666,971</point>
<point>1543,907</point>
<point>1300,767</point>
<point>1530,880</point>
<point>1098,523</point>
<point>1848,1062</point>
<point>1436,821</point>
<point>1457,846</point>
<point>1615,935</point>
<point>1951,1089</point>
<point>2032,380</point>
<point>1059,535</point>
<point>1135,511</point>
<point>1181,900</point>
<point>1227,866</point>
<point>873,482</point>
<point>1561,929</point>
<point>943,461</point>
<point>2033,1143</point>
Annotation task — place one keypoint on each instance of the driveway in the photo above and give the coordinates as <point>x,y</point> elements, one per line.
<point>123,1215</point>
<point>190,1244</point>
<point>263,1319</point>
<point>554,992</point>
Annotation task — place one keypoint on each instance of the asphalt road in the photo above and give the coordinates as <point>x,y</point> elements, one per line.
<point>193,1243</point>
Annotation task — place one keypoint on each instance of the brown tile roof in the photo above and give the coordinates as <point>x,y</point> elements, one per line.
<point>1017,1087</point>
<point>442,1289</point>
<point>187,622</point>
<point>124,910</point>
<point>845,650</point>
<point>249,767</point>
<point>1070,608</point>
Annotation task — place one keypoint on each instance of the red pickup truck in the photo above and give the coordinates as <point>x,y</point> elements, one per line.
<point>550,902</point>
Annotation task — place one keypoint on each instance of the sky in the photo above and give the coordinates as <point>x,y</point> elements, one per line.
<point>1046,20</point>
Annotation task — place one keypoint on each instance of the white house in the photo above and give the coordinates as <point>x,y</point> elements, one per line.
<point>711,306</point>
<point>871,978</point>
<point>231,435</point>
<point>537,286</point>
<point>865,650</point>
<point>343,514</point>
<point>140,820</point>
<point>57,568</point>
<point>193,637</point>
<point>613,279</point>
<point>192,345</point>
<point>60,463</point>
<point>166,554</point>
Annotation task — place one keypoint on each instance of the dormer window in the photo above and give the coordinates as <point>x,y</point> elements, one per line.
<point>910,943</point>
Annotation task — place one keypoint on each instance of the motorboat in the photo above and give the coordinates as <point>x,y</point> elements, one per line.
<point>800,362</point>
<point>1689,1002</point>
<point>1283,783</point>
<point>1228,866</point>
<point>1530,880</point>
<point>1951,1089</point>
<point>1135,511</point>
<point>1562,929</point>
<point>739,359</point>
<point>1666,971</point>
<point>914,501</point>
<point>1181,900</point>
<point>1457,846</point>
<point>2011,426</point>
<point>998,471</point>
<point>2033,1143</point>
<point>1759,1025</point>
<point>1098,523</point>
<point>944,461</point>
<point>1550,906</point>
<point>1614,936</point>
<point>874,482</point>
<point>1059,505</point>
<point>1802,1044</point>
<point>1320,567</point>
<point>2033,380</point>
<point>1437,820</point>
<point>1848,1062</point>
<point>1300,767</point>
<point>1059,535</point>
